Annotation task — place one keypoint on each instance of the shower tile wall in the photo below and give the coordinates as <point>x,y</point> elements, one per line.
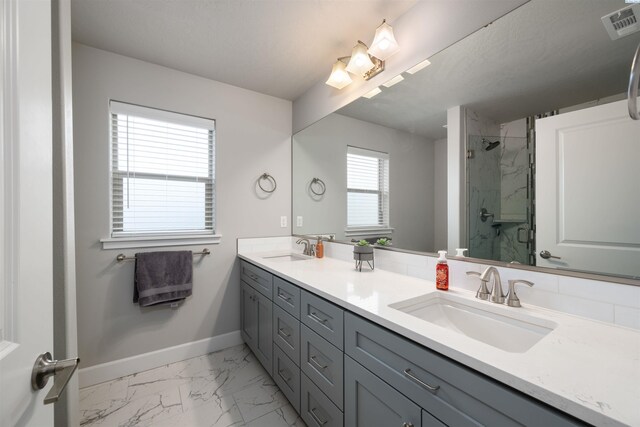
<point>483,182</point>
<point>514,168</point>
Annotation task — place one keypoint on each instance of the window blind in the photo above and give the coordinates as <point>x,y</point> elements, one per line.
<point>367,188</point>
<point>162,172</point>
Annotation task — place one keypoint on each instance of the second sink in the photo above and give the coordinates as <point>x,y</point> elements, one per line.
<point>495,326</point>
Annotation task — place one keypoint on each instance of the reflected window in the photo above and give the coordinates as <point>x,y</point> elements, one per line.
<point>162,172</point>
<point>367,188</point>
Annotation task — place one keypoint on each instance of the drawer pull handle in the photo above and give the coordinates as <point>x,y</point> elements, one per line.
<point>316,417</point>
<point>284,333</point>
<point>284,297</point>
<point>315,317</point>
<point>281,372</point>
<point>408,374</point>
<point>407,424</point>
<point>314,359</point>
<point>253,276</point>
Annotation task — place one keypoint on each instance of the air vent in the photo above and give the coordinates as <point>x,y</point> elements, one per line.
<point>623,22</point>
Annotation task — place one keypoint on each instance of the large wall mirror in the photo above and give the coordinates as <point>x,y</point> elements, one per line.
<point>534,108</point>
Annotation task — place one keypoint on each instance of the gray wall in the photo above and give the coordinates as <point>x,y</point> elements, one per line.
<point>440,195</point>
<point>253,136</point>
<point>320,151</point>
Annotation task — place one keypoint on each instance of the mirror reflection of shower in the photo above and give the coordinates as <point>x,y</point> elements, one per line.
<point>500,194</point>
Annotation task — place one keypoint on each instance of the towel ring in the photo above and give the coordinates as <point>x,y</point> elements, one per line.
<point>320,183</point>
<point>267,177</point>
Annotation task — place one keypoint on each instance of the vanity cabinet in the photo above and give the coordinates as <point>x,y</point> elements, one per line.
<point>369,401</point>
<point>448,391</point>
<point>337,368</point>
<point>256,314</point>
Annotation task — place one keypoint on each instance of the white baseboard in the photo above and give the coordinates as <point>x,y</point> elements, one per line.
<point>119,368</point>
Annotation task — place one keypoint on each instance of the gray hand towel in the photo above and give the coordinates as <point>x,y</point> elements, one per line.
<point>162,277</point>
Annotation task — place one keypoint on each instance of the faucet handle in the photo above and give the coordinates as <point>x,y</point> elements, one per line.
<point>482,292</point>
<point>512,298</point>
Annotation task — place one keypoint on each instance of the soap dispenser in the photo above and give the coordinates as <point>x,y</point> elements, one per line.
<point>442,272</point>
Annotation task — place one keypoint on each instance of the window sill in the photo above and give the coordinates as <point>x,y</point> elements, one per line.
<point>157,241</point>
<point>368,231</point>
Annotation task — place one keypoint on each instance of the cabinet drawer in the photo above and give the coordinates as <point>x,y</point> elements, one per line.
<point>461,397</point>
<point>324,318</point>
<point>287,375</point>
<point>287,296</point>
<point>315,408</point>
<point>286,333</point>
<point>323,363</point>
<point>256,277</point>
<point>369,401</point>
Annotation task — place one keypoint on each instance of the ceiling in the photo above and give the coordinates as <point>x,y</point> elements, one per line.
<point>276,47</point>
<point>543,56</point>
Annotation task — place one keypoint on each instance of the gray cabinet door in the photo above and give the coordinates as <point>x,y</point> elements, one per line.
<point>264,335</point>
<point>369,401</point>
<point>323,363</point>
<point>248,315</point>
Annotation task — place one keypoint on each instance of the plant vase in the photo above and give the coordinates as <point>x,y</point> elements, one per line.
<point>362,254</point>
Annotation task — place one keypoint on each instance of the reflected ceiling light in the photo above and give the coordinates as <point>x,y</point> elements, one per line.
<point>362,61</point>
<point>384,43</point>
<point>339,77</point>
<point>419,67</point>
<point>396,79</point>
<point>372,93</point>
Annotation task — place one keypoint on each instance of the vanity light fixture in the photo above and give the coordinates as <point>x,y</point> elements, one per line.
<point>373,92</point>
<point>339,77</point>
<point>384,43</point>
<point>362,60</point>
<point>396,79</point>
<point>419,66</point>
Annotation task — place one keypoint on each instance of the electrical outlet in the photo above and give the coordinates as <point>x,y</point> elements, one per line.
<point>299,221</point>
<point>283,221</point>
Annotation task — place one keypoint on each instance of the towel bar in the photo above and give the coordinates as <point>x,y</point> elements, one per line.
<point>122,257</point>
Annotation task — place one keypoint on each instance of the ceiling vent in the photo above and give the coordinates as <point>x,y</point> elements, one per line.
<point>623,22</point>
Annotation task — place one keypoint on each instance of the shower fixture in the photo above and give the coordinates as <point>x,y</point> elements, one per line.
<point>490,145</point>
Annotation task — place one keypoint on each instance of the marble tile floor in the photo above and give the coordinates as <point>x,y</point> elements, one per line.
<point>221,389</point>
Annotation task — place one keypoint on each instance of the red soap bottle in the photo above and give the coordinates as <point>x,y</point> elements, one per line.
<point>442,272</point>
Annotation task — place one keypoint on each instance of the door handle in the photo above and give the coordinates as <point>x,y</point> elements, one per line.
<point>45,367</point>
<point>547,255</point>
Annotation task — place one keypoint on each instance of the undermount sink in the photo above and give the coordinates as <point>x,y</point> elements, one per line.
<point>288,257</point>
<point>493,325</point>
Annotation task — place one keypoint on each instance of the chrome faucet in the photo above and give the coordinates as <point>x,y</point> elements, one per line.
<point>496,294</point>
<point>512,298</point>
<point>308,247</point>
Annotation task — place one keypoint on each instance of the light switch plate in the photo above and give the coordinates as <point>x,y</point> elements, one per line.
<point>283,221</point>
<point>299,221</point>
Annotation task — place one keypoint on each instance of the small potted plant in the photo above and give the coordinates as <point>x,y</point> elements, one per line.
<point>383,241</point>
<point>363,251</point>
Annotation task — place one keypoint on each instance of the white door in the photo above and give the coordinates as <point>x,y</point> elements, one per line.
<point>588,190</point>
<point>26,288</point>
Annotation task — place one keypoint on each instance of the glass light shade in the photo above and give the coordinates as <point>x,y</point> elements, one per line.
<point>384,43</point>
<point>360,62</point>
<point>339,77</point>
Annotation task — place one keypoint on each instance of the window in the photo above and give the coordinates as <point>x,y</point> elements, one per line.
<point>162,172</point>
<point>367,189</point>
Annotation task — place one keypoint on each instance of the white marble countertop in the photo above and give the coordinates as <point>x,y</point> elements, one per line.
<point>586,368</point>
